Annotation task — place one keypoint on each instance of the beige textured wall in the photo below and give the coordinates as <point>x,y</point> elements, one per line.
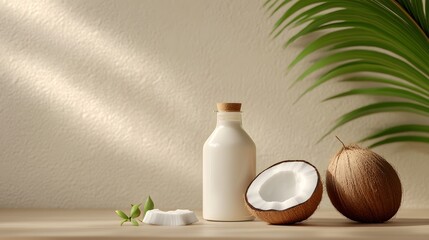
<point>105,102</point>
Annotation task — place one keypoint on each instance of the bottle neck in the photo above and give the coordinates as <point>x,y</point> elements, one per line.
<point>229,118</point>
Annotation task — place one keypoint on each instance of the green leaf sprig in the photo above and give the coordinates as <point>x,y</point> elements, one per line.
<point>135,212</point>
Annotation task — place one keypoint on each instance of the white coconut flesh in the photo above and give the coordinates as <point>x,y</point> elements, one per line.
<point>283,186</point>
<point>178,217</point>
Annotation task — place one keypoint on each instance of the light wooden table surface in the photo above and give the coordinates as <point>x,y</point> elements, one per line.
<point>104,224</point>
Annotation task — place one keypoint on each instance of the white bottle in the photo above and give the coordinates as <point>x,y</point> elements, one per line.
<point>229,165</point>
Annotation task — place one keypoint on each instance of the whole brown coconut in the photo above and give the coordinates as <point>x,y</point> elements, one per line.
<point>363,186</point>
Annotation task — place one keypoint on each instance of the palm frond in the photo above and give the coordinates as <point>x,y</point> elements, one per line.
<point>406,128</point>
<point>379,108</point>
<point>384,91</point>
<point>386,81</point>
<point>420,15</point>
<point>386,41</point>
<point>405,138</point>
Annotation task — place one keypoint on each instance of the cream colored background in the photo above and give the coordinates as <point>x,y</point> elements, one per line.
<point>105,102</point>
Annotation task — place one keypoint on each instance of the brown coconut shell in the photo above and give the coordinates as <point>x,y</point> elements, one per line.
<point>363,186</point>
<point>291,215</point>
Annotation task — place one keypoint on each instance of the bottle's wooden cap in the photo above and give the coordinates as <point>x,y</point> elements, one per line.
<point>229,107</point>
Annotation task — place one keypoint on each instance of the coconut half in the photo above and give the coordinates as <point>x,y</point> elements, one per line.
<point>285,193</point>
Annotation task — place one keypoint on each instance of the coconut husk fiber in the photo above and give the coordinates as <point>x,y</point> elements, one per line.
<point>363,186</point>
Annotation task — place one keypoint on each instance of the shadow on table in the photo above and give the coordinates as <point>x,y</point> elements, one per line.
<point>326,222</point>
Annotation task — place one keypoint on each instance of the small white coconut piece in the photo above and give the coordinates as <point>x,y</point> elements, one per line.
<point>179,217</point>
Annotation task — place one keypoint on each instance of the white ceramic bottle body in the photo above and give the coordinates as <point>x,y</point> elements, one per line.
<point>229,165</point>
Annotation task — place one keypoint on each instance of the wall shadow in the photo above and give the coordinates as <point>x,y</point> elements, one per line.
<point>129,97</point>
<point>66,165</point>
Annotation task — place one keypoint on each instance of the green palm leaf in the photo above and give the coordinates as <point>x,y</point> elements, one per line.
<point>401,139</point>
<point>399,129</point>
<point>384,91</point>
<point>379,108</point>
<point>386,81</point>
<point>385,41</point>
